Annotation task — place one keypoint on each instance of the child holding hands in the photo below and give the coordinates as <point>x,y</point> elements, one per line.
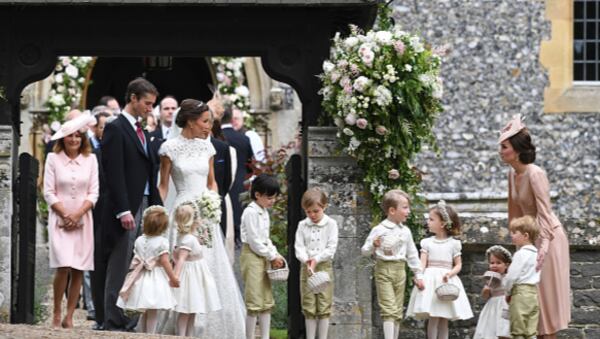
<point>258,252</point>
<point>146,287</point>
<point>393,246</point>
<point>196,293</point>
<point>315,244</point>
<point>520,283</point>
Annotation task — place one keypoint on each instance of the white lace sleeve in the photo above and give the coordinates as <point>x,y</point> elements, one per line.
<point>165,150</point>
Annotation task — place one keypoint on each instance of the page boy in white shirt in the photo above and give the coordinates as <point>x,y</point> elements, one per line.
<point>521,280</point>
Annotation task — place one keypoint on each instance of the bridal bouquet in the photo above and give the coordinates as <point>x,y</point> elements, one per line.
<point>209,205</point>
<point>382,90</point>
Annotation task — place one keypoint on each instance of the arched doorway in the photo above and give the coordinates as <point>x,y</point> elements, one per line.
<point>182,77</point>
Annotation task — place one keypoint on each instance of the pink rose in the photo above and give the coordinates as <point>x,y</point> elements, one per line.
<point>393,174</point>
<point>399,47</point>
<point>361,123</point>
<point>350,119</point>
<point>381,130</point>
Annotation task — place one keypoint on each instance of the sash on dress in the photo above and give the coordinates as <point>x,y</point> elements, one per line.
<point>136,267</point>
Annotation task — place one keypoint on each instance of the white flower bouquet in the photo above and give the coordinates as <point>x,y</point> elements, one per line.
<point>209,206</point>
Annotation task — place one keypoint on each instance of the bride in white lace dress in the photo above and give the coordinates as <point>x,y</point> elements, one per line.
<point>187,158</point>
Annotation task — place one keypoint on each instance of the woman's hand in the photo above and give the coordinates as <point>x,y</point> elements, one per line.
<point>419,283</point>
<point>540,260</point>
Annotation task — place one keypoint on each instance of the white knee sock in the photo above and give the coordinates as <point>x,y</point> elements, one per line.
<point>151,321</point>
<point>388,329</point>
<point>311,328</point>
<point>250,326</point>
<point>323,328</point>
<point>264,321</point>
<point>396,329</point>
<point>432,328</point>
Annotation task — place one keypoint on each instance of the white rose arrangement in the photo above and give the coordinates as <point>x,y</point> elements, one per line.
<point>209,205</point>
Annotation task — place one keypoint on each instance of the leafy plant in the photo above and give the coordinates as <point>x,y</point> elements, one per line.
<point>382,90</point>
<point>68,80</point>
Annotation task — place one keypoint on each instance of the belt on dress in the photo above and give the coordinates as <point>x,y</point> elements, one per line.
<point>439,264</point>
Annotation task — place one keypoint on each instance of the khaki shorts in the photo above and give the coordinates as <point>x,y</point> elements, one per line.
<point>390,281</point>
<point>524,311</point>
<point>316,305</point>
<point>258,295</point>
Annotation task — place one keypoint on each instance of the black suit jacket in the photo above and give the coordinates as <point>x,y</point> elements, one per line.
<point>127,168</point>
<point>156,140</point>
<point>222,166</point>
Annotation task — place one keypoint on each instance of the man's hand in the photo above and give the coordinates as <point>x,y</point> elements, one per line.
<point>127,222</point>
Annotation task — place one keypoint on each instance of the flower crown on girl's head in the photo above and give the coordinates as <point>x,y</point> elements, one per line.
<point>498,248</point>
<point>188,225</point>
<point>441,206</point>
<point>154,208</point>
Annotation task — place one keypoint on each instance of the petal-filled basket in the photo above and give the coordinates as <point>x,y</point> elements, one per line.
<point>280,274</point>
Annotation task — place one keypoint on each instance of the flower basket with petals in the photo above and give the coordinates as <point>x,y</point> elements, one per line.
<point>382,90</point>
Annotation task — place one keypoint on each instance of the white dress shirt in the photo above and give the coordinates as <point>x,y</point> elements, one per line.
<point>522,269</point>
<point>406,250</point>
<point>257,145</point>
<point>255,231</point>
<point>316,241</point>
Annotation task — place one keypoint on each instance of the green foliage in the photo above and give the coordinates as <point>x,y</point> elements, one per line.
<point>382,90</point>
<point>68,80</point>
<point>279,314</point>
<point>2,94</point>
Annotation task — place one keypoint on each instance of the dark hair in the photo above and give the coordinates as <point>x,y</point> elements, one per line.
<point>85,148</point>
<point>139,87</point>
<point>190,109</point>
<point>166,97</point>
<point>264,184</point>
<point>227,115</point>
<point>521,143</point>
<point>217,132</point>
<point>455,229</point>
<point>502,255</point>
<point>105,99</point>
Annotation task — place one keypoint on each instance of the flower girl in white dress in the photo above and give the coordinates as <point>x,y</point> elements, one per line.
<point>441,258</point>
<point>146,287</point>
<point>196,293</point>
<point>491,323</point>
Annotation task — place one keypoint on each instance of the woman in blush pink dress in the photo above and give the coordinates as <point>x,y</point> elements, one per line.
<point>529,194</point>
<point>71,190</point>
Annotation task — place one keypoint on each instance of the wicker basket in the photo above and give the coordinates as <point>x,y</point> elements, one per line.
<point>447,292</point>
<point>492,279</point>
<point>280,274</point>
<point>318,281</point>
<point>505,314</point>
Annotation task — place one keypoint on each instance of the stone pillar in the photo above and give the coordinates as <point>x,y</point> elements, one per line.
<point>339,176</point>
<point>6,211</point>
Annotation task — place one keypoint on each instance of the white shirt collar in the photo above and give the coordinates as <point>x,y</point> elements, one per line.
<point>389,224</point>
<point>257,207</point>
<point>227,126</point>
<point>321,222</point>
<point>132,120</point>
<point>165,130</point>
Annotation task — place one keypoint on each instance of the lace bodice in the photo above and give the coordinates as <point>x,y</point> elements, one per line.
<point>190,159</point>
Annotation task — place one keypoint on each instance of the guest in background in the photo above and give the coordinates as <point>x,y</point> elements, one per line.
<point>258,148</point>
<point>71,190</point>
<point>111,103</point>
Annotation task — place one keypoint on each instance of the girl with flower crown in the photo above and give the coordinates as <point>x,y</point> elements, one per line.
<point>146,287</point>
<point>441,261</point>
<point>491,323</point>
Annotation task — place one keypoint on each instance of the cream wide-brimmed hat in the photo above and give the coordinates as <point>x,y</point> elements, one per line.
<point>82,122</point>
<point>514,126</point>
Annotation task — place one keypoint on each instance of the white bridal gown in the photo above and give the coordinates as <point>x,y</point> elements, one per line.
<point>189,171</point>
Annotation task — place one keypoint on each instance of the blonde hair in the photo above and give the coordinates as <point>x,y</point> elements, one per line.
<point>185,217</point>
<point>392,198</point>
<point>525,225</point>
<point>314,196</point>
<point>156,220</point>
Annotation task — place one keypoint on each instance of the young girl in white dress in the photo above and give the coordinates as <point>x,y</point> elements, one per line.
<point>441,259</point>
<point>491,324</point>
<point>196,293</point>
<point>147,287</point>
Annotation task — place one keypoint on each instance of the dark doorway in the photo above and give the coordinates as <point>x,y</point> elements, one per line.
<point>180,77</point>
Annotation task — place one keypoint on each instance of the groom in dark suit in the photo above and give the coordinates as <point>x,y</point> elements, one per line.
<point>130,170</point>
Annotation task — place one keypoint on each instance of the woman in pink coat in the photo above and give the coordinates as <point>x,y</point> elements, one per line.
<point>529,194</point>
<point>71,190</point>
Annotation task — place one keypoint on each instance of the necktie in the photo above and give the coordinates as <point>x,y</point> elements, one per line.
<point>140,133</point>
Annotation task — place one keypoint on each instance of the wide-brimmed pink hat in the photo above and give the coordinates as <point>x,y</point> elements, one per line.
<point>82,122</point>
<point>514,126</point>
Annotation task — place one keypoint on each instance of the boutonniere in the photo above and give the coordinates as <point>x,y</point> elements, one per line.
<point>152,139</point>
